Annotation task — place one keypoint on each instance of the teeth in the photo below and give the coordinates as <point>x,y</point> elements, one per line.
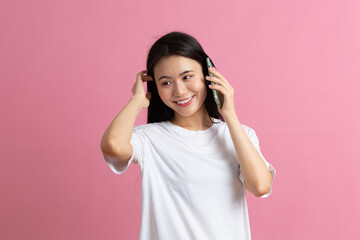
<point>185,101</point>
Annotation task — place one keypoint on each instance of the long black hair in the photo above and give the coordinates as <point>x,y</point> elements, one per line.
<point>182,44</point>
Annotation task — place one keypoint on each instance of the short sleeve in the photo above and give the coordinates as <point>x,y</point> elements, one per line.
<point>254,139</point>
<point>136,157</point>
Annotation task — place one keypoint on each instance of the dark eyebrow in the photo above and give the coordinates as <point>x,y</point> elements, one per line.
<point>179,75</point>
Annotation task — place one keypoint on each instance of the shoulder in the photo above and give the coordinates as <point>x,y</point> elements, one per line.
<point>248,130</point>
<point>149,127</point>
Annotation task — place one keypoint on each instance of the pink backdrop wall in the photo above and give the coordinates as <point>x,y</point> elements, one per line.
<point>67,68</point>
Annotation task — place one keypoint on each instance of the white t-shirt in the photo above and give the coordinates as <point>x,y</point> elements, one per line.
<point>192,186</point>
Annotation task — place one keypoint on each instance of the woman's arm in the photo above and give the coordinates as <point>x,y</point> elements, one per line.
<point>116,139</point>
<point>257,177</point>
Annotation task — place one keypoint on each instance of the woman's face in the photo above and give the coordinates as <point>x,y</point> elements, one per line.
<point>181,84</point>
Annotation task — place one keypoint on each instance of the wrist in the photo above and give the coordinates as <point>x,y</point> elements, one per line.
<point>230,116</point>
<point>137,101</point>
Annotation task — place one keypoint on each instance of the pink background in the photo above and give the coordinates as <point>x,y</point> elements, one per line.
<point>67,68</point>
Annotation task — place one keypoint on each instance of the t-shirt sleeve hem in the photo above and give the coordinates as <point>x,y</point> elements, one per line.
<point>272,172</point>
<point>116,166</point>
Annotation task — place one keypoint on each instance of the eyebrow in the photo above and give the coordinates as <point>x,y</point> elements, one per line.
<point>179,75</point>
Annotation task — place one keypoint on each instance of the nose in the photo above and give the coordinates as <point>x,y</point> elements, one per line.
<point>179,89</point>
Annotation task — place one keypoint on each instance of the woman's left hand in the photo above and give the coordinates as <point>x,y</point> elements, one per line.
<point>225,90</point>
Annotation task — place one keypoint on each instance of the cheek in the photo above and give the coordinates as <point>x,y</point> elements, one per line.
<point>164,94</point>
<point>200,85</point>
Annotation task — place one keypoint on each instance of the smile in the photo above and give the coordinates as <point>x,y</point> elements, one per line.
<point>185,102</point>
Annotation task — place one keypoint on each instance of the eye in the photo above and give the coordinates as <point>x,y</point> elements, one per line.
<point>188,76</point>
<point>165,83</point>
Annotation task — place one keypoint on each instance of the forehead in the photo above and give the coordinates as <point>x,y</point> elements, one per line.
<point>173,65</point>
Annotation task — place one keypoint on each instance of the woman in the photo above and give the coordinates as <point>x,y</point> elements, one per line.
<point>196,161</point>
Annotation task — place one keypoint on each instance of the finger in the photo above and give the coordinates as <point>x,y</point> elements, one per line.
<point>213,79</point>
<point>142,77</point>
<point>216,73</point>
<point>219,88</point>
<point>141,72</point>
<point>146,78</point>
<point>219,81</point>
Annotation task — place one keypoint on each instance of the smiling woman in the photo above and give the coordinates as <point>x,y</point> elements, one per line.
<point>185,95</point>
<point>173,56</point>
<point>197,161</point>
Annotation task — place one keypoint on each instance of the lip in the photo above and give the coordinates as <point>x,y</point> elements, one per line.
<point>183,99</point>
<point>186,104</point>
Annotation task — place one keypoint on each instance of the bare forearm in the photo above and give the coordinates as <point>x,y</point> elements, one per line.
<point>254,170</point>
<point>120,130</point>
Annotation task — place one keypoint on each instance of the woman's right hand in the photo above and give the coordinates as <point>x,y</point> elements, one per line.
<point>139,91</point>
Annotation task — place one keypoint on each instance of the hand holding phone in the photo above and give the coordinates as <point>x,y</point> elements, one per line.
<point>215,92</point>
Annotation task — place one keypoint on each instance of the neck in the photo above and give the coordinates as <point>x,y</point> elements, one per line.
<point>198,121</point>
